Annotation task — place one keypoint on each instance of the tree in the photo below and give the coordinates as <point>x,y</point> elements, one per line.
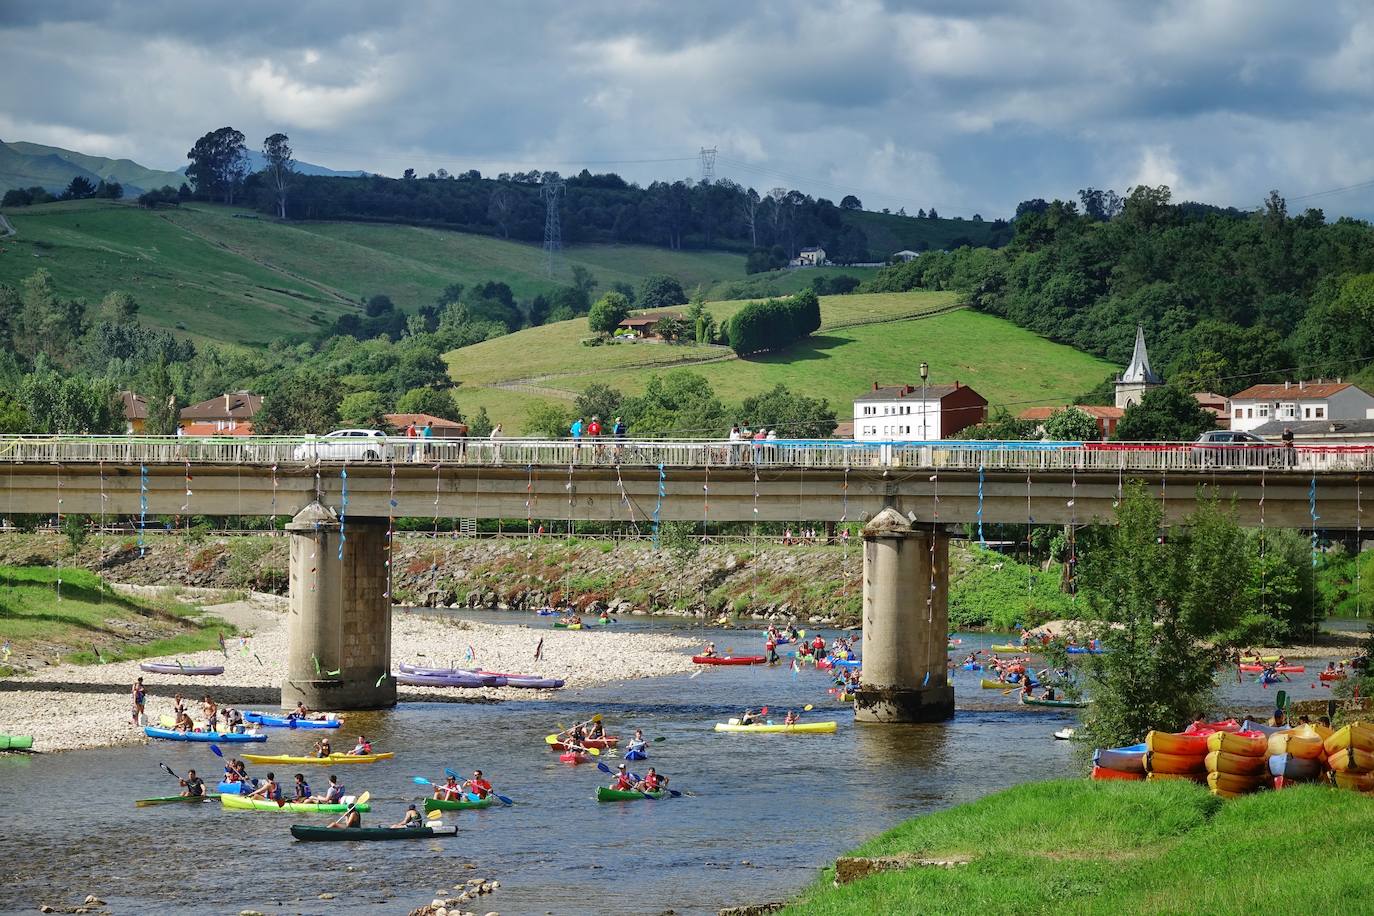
<point>583,280</point>
<point>598,400</point>
<point>109,190</point>
<point>1164,414</point>
<point>700,321</point>
<point>678,403</point>
<point>218,163</point>
<point>794,416</point>
<point>1069,424</point>
<point>298,403</point>
<point>660,291</point>
<point>1000,426</point>
<point>280,167</point>
<point>363,409</point>
<point>437,402</point>
<point>607,313</point>
<point>481,425</point>
<point>850,202</point>
<point>79,188</point>
<point>547,420</point>
<point>672,329</point>
<point>13,417</point>
<point>161,400</point>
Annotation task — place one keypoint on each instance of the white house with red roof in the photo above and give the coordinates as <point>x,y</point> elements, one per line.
<point>1296,402</point>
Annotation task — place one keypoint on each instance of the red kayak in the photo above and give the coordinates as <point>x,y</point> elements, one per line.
<point>1281,669</point>
<point>573,757</point>
<point>601,744</point>
<point>728,659</point>
<point>1331,676</point>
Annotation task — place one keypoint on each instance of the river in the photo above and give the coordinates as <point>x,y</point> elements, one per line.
<point>770,809</point>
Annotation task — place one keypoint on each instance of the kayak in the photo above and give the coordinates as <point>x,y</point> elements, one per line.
<point>573,757</point>
<point>801,728</point>
<point>1084,650</point>
<point>1234,764</point>
<point>230,788</point>
<point>547,612</point>
<point>601,744</point>
<point>170,800</point>
<point>338,834</point>
<point>468,802</point>
<point>1226,784</point>
<point>331,760</point>
<point>560,625</point>
<point>1020,650</point>
<point>850,663</point>
<point>171,734</point>
<point>527,681</point>
<point>971,666</point>
<point>1258,659</point>
<point>1123,759</point>
<point>636,755</point>
<point>604,794</point>
<point>1160,763</point>
<point>290,721</point>
<point>1350,759</point>
<point>1290,766</point>
<point>174,668</point>
<point>728,659</point>
<point>1281,669</point>
<point>463,679</point>
<point>1246,744</point>
<point>16,742</point>
<point>239,803</point>
<point>1179,745</point>
<point>1357,735</point>
<point>1057,704</point>
<point>1331,676</point>
<point>1103,773</point>
<point>997,685</point>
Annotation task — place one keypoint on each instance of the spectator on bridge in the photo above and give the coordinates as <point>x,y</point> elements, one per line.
<point>576,432</point>
<point>1289,454</point>
<point>427,434</point>
<point>759,436</point>
<point>594,433</point>
<point>412,433</point>
<point>618,431</point>
<point>735,437</point>
<point>495,444</point>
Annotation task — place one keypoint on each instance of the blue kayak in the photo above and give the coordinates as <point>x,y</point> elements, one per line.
<point>971,666</point>
<point>291,721</point>
<point>1084,650</point>
<point>171,734</point>
<point>231,788</point>
<point>636,755</point>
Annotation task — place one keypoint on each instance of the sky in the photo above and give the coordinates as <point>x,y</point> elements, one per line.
<point>965,105</point>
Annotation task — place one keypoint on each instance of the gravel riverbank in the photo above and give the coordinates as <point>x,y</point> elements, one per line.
<point>66,707</point>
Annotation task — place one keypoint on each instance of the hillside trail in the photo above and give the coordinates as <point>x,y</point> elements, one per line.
<point>7,227</point>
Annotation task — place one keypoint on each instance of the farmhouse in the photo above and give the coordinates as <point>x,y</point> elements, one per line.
<point>642,326</point>
<point>227,415</point>
<point>135,412</point>
<point>810,257</point>
<point>443,429</point>
<point>906,412</point>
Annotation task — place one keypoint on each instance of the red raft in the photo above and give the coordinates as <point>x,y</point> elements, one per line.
<point>601,744</point>
<point>729,659</point>
<point>573,757</point>
<point>1281,669</point>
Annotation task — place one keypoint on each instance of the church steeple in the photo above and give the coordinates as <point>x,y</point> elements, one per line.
<point>1138,377</point>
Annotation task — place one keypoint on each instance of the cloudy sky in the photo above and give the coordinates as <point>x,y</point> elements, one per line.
<point>967,105</point>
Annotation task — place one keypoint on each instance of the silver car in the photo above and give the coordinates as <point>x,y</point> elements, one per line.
<point>1225,448</point>
<point>346,445</point>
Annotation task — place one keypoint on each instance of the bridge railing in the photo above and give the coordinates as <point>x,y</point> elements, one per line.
<point>953,455</point>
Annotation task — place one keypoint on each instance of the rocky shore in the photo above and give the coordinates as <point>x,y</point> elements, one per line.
<point>66,707</point>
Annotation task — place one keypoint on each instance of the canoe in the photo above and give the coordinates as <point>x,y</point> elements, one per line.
<point>239,803</point>
<point>604,794</point>
<point>1331,676</point>
<point>801,728</point>
<point>16,742</point>
<point>1360,782</point>
<point>1178,745</point>
<point>170,800</point>
<point>460,679</point>
<point>729,660</point>
<point>1105,773</point>
<point>1020,650</point>
<point>174,668</point>
<point>340,834</point>
<point>1245,744</point>
<point>636,755</point>
<point>1227,782</point>
<point>170,734</point>
<point>1258,659</point>
<point>331,760</point>
<point>1234,764</point>
<point>1303,742</point>
<point>1125,759</point>
<point>289,721</point>
<point>849,663</point>
<point>1057,704</point>
<point>527,681</point>
<point>1292,767</point>
<point>601,744</point>
<point>574,757</point>
<point>1349,759</point>
<point>1356,734</point>
<point>1206,728</point>
<point>1281,669</point>
<point>466,803</point>
<point>1176,764</point>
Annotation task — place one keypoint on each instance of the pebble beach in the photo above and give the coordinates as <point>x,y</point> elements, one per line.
<point>67,707</point>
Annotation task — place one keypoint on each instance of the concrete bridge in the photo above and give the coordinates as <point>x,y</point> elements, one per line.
<point>341,498</point>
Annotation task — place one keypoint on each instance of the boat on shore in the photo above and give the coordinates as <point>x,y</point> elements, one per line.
<point>310,833</point>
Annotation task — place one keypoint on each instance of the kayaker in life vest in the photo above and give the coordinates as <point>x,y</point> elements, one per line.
<point>818,647</point>
<point>650,783</point>
<point>623,782</point>
<point>268,790</point>
<point>478,785</point>
<point>301,788</point>
<point>791,718</point>
<point>748,717</point>
<point>598,729</point>
<point>412,819</point>
<point>792,632</point>
<point>192,786</point>
<point>332,795</point>
<point>362,747</point>
<point>323,749</point>
<point>709,651</point>
<point>450,790</point>
<point>637,743</point>
<point>771,648</point>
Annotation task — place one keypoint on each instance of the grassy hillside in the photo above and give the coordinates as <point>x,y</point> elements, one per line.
<point>1004,363</point>
<point>228,274</point>
<point>888,233</point>
<point>23,165</point>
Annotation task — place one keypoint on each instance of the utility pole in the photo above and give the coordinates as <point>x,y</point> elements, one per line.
<point>551,191</point>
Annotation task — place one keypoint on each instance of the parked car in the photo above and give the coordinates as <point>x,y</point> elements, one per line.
<point>1227,448</point>
<point>347,445</point>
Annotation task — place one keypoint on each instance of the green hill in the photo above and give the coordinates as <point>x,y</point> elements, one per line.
<point>23,165</point>
<point>888,233</point>
<point>863,338</point>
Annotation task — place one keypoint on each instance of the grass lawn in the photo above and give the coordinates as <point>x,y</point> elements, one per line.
<point>1073,846</point>
<point>86,614</point>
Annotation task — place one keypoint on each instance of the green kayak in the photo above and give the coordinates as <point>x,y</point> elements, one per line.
<point>16,742</point>
<point>1058,704</point>
<point>337,834</point>
<point>604,794</point>
<point>239,803</point>
<point>458,804</point>
<point>170,800</point>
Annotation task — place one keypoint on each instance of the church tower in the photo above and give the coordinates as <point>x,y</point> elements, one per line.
<point>1138,377</point>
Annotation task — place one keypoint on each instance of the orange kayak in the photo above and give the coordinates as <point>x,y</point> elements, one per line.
<point>1360,782</point>
<point>1200,776</point>
<point>1350,759</point>
<point>1235,764</point>
<point>1103,773</point>
<point>1182,745</point>
<point>1226,782</point>
<point>1303,742</point>
<point>1176,764</point>
<point>1357,735</point>
<point>1246,744</point>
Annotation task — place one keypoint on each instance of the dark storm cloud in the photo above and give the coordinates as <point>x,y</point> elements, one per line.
<point>968,106</point>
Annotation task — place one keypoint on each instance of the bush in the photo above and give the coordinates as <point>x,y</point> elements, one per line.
<point>774,323</point>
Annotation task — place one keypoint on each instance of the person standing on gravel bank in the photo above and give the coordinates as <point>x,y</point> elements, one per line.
<point>138,694</point>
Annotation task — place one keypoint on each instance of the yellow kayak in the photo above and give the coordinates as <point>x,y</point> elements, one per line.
<point>998,685</point>
<point>801,728</point>
<point>331,760</point>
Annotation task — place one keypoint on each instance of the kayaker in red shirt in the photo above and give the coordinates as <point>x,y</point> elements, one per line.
<point>650,782</point>
<point>478,785</point>
<point>709,651</point>
<point>772,649</point>
<point>623,782</point>
<point>818,647</point>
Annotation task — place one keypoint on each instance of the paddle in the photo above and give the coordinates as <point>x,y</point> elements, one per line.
<point>499,797</point>
<point>554,739</point>
<point>360,800</point>
<point>672,793</point>
<point>215,749</point>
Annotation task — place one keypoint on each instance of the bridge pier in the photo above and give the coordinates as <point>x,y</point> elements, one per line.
<point>340,613</point>
<point>905,642</point>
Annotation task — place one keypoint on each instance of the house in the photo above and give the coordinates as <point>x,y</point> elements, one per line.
<point>809,257</point>
<point>227,415</point>
<point>1299,402</point>
<point>135,412</point>
<point>641,327</point>
<point>1106,417</point>
<point>1219,405</point>
<point>443,429</point>
<point>1320,432</point>
<point>1138,377</point>
<point>906,254</point>
<point>908,412</point>
<point>844,429</point>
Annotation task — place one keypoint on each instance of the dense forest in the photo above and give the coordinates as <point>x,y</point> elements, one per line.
<point>1227,298</point>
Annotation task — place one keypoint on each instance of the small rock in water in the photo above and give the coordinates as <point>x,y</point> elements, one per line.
<point>326,896</point>
<point>93,900</point>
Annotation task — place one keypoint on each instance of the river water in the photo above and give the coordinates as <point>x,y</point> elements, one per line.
<point>770,809</point>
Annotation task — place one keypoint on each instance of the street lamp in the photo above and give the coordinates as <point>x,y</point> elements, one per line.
<point>925,374</point>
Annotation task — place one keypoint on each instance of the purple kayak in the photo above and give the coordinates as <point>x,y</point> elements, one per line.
<point>455,679</point>
<point>527,681</point>
<point>407,668</point>
<point>173,668</point>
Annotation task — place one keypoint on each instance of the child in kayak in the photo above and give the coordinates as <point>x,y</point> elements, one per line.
<point>791,718</point>
<point>450,790</point>
<point>302,788</point>
<point>478,785</point>
<point>623,782</point>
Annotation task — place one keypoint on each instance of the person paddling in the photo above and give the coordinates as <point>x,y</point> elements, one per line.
<point>709,651</point>
<point>478,785</point>
<point>332,795</point>
<point>623,782</point>
<point>268,790</point>
<point>412,819</point>
<point>747,718</point>
<point>192,786</point>
<point>362,748</point>
<point>450,790</point>
<point>791,718</point>
<point>349,820</point>
<point>323,748</point>
<point>301,788</point>
<point>650,783</point>
<point>637,743</point>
